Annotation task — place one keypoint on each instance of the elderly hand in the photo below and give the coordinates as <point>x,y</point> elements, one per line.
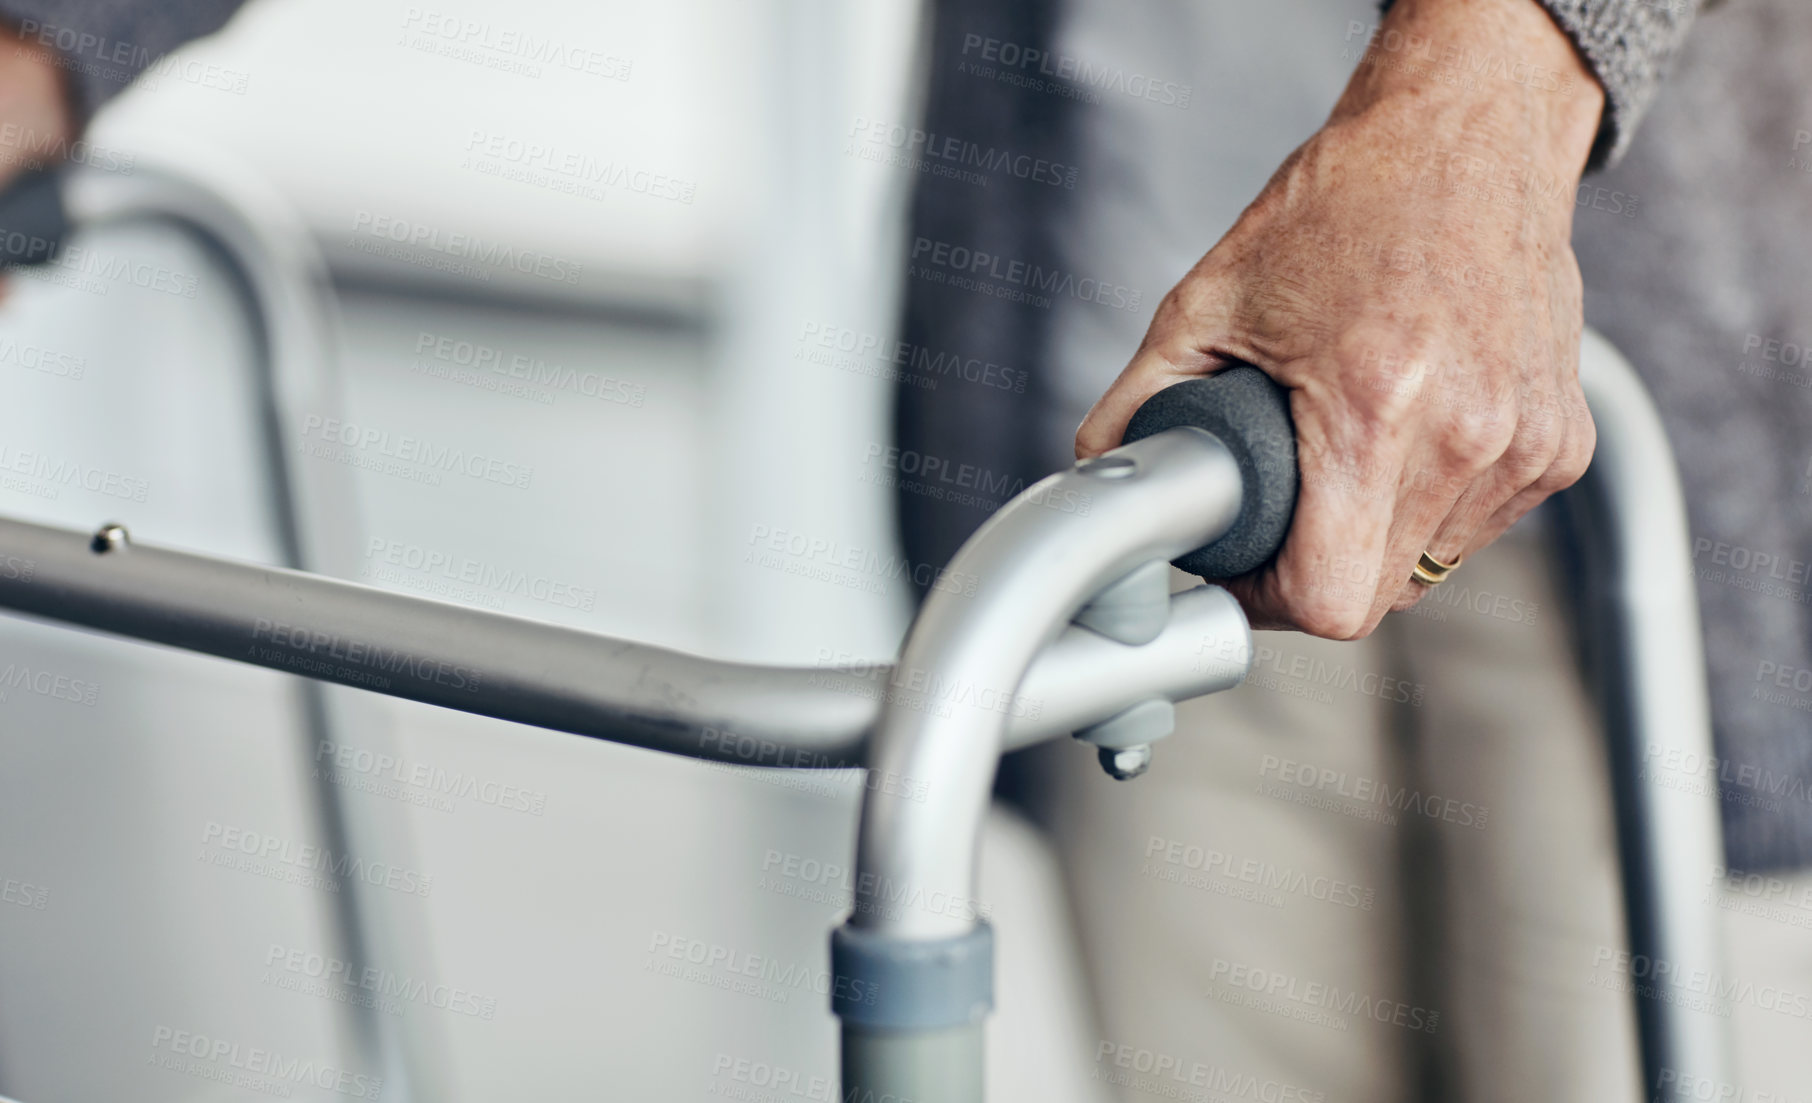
<point>36,124</point>
<point>1407,274</point>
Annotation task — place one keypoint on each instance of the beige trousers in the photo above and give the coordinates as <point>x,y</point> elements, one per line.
<point>1378,871</point>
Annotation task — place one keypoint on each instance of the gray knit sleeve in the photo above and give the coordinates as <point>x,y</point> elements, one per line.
<point>103,45</point>
<point>1629,44</point>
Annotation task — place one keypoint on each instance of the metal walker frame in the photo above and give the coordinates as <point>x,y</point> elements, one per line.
<point>1069,611</point>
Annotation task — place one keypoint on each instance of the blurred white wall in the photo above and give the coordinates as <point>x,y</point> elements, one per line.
<point>389,120</point>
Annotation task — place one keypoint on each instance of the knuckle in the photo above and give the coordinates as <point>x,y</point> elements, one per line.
<point>1387,387</point>
<point>1388,410</point>
<point>1573,407</point>
<point>1531,455</point>
<point>1472,438</point>
<point>1573,461</point>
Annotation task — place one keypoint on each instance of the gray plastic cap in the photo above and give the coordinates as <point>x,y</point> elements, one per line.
<point>899,984</point>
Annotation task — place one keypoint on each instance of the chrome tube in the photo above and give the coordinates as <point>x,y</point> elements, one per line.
<point>1642,617</point>
<point>966,654</point>
<point>563,678</point>
<point>269,257</point>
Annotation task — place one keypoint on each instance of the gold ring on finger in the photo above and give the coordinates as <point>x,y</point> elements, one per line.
<point>1431,571</point>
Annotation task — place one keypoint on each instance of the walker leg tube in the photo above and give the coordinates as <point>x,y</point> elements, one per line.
<point>1630,520</point>
<point>912,1066</point>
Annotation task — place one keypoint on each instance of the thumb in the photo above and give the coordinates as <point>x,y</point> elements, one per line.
<point>1151,371</point>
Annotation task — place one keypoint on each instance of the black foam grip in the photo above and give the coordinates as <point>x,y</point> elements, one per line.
<point>33,222</point>
<point>1250,413</point>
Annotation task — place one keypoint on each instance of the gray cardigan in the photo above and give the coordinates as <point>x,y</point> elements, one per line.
<point>1629,45</point>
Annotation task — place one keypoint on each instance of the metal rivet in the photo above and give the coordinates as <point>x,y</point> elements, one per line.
<point>111,536</point>
<point>1126,763</point>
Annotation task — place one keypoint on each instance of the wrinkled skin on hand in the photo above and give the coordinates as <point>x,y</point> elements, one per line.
<point>1407,274</point>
